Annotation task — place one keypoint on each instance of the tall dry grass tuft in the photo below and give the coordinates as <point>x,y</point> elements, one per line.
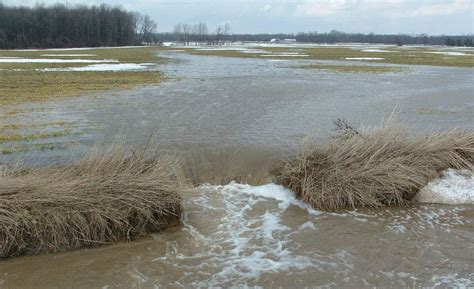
<point>108,197</point>
<point>381,166</point>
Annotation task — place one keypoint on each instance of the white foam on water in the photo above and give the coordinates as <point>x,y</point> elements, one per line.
<point>272,191</point>
<point>453,188</point>
<point>422,218</point>
<point>68,55</point>
<point>103,67</point>
<point>364,58</point>
<point>46,60</point>
<point>308,226</point>
<point>451,281</point>
<point>247,237</point>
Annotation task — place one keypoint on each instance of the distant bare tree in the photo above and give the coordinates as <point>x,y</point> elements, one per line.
<point>187,30</point>
<point>178,32</point>
<point>219,33</point>
<point>200,30</point>
<point>148,29</point>
<point>226,29</point>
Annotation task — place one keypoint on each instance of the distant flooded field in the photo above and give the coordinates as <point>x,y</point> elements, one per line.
<point>257,234</point>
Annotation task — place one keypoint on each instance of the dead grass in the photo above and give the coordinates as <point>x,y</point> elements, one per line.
<point>25,82</point>
<point>108,197</point>
<point>29,86</point>
<point>382,166</point>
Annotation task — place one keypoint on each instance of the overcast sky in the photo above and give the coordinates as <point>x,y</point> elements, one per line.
<point>273,16</point>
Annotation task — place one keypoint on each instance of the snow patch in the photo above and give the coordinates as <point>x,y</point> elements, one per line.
<point>45,60</point>
<point>284,55</point>
<point>104,67</point>
<point>454,187</point>
<point>448,53</point>
<point>364,58</point>
<point>377,50</point>
<point>68,55</point>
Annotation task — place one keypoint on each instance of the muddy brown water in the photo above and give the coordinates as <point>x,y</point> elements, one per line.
<point>244,236</point>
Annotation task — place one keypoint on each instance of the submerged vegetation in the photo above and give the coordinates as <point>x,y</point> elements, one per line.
<point>109,197</point>
<point>389,54</point>
<point>354,68</point>
<point>383,166</point>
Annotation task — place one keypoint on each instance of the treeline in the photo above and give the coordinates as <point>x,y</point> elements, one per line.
<point>331,37</point>
<point>61,26</point>
<point>199,33</point>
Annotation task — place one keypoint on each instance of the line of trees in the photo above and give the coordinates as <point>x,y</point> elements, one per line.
<point>73,26</point>
<point>199,33</point>
<point>331,37</point>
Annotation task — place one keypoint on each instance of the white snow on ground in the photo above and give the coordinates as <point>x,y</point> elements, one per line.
<point>68,55</point>
<point>103,67</point>
<point>290,53</point>
<point>239,49</point>
<point>376,50</point>
<point>284,55</point>
<point>254,51</point>
<point>221,49</point>
<point>454,187</point>
<point>448,53</point>
<point>364,58</point>
<point>53,60</point>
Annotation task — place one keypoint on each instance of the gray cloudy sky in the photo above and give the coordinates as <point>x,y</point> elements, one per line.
<point>252,16</point>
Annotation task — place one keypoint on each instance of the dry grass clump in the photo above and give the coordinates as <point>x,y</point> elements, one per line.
<point>384,166</point>
<point>114,196</point>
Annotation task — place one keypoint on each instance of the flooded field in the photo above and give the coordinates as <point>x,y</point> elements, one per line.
<point>238,235</point>
<point>241,235</point>
<point>219,102</point>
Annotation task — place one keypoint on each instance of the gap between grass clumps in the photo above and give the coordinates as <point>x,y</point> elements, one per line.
<point>374,167</point>
<point>106,197</point>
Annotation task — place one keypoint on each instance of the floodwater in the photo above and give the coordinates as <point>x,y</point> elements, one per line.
<point>239,235</point>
